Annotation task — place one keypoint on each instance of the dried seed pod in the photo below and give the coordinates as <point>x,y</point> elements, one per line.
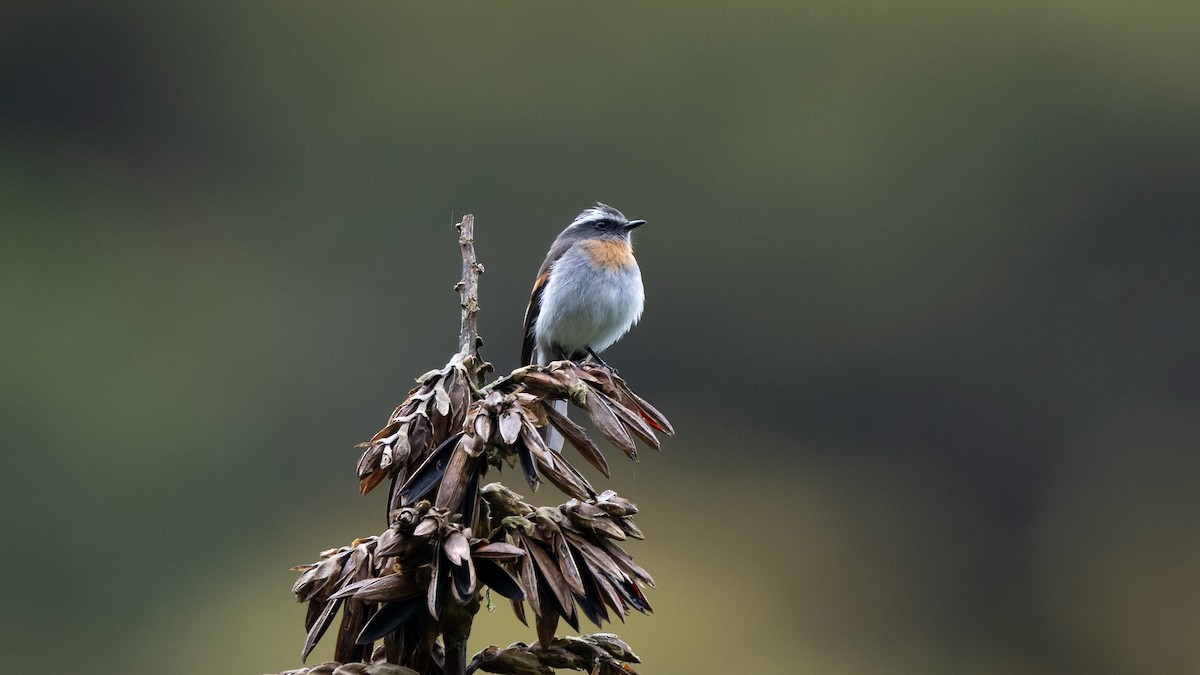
<point>433,410</point>
<point>610,426</point>
<point>596,653</point>
<point>575,435</point>
<point>562,561</point>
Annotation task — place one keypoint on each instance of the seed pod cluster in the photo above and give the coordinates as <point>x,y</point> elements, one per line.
<point>597,653</point>
<point>572,558</point>
<point>449,538</point>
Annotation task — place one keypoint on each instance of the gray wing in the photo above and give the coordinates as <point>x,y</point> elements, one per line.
<point>528,340</point>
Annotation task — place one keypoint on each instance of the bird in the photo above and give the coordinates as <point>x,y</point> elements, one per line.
<point>588,293</point>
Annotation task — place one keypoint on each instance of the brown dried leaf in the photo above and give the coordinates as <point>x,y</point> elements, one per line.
<point>372,481</point>
<point>441,398</point>
<point>499,578</point>
<point>608,528</point>
<point>547,620</point>
<point>528,466</point>
<point>359,563</point>
<point>457,476</point>
<point>553,578</point>
<point>609,593</point>
<point>593,555</point>
<point>511,661</point>
<point>369,460</point>
<point>437,588</point>
<point>390,587</point>
<point>626,561</point>
<point>425,528</point>
<point>616,388</point>
<point>390,543</point>
<point>316,578</point>
<point>653,416</point>
<point>615,505</point>
<point>440,425</point>
<point>483,426</point>
<point>591,602</point>
<point>402,448</point>
<point>498,550</point>
<point>460,392</point>
<point>554,467</point>
<point>615,646</point>
<point>633,422</point>
<point>609,425</point>
<point>389,617</point>
<point>323,620</point>
<point>630,529</point>
<point>386,433</point>
<point>585,511</point>
<point>543,383</point>
<point>591,373</point>
<point>510,424</point>
<point>354,616</point>
<point>577,437</point>
<point>519,610</point>
<point>503,501</point>
<point>566,563</point>
<point>527,577</point>
<point>420,437</point>
<point>456,547</point>
<point>464,581</point>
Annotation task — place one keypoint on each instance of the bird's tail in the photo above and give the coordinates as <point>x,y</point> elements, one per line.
<point>549,434</point>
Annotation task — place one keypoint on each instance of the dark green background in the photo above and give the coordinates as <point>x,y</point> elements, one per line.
<point>922,302</point>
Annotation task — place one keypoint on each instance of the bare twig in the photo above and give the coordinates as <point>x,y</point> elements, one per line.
<point>468,288</point>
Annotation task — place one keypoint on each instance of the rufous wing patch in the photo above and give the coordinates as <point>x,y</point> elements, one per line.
<point>531,315</point>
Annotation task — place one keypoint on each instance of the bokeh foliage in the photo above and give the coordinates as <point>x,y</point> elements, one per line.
<point>941,259</point>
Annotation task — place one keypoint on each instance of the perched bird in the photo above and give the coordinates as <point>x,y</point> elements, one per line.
<point>588,292</point>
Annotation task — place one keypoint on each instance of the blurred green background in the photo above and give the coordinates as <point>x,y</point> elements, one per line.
<point>922,302</point>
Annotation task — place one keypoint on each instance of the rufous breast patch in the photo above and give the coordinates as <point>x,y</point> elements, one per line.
<point>610,254</point>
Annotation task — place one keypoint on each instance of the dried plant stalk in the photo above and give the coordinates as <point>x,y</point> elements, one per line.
<point>407,597</point>
<point>468,288</point>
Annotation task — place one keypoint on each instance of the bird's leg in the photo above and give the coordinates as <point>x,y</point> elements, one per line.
<point>599,360</point>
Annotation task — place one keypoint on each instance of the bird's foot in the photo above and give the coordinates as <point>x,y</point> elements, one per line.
<point>597,359</point>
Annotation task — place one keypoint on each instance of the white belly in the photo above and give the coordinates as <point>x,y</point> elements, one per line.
<point>584,308</point>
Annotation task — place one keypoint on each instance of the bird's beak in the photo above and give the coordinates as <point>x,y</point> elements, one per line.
<point>633,223</point>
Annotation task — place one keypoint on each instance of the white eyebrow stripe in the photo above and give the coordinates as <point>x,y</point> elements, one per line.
<point>598,213</point>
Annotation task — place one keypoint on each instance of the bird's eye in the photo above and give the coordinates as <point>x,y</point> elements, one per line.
<point>602,225</point>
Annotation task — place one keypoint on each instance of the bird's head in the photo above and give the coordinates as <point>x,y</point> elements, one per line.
<point>603,222</point>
